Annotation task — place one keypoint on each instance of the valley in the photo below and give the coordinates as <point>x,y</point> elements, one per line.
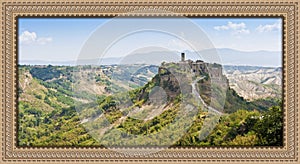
<point>192,103</point>
<point>255,82</point>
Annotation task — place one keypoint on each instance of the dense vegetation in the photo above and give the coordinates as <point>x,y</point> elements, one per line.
<point>58,108</point>
<point>60,127</point>
<point>247,128</point>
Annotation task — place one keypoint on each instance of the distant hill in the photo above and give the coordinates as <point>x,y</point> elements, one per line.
<point>254,83</point>
<point>226,57</point>
<point>236,57</point>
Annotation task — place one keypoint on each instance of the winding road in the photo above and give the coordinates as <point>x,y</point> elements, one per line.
<point>195,92</point>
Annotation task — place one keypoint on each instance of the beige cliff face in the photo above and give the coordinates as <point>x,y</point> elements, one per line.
<point>256,84</point>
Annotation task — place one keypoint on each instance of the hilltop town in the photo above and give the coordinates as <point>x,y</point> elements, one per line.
<point>101,109</point>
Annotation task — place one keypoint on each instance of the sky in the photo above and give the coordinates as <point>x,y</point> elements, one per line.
<point>65,39</point>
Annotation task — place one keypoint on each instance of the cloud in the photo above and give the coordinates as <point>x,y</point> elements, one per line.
<point>230,25</point>
<point>44,40</point>
<point>236,28</point>
<point>28,38</point>
<point>242,31</point>
<point>269,27</point>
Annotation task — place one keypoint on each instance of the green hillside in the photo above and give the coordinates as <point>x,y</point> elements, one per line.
<point>91,106</point>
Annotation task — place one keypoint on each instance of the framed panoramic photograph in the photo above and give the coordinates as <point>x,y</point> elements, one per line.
<point>149,81</point>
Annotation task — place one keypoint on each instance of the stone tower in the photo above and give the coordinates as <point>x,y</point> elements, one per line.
<point>182,57</point>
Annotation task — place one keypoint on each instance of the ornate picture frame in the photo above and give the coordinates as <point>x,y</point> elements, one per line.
<point>12,10</point>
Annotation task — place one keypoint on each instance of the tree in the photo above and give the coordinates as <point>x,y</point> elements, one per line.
<point>269,127</point>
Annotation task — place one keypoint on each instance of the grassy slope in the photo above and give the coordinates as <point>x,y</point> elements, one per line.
<point>47,116</point>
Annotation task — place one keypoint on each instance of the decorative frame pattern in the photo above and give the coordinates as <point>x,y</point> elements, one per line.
<point>11,10</point>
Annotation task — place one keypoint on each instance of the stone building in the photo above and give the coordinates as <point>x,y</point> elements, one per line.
<point>198,67</point>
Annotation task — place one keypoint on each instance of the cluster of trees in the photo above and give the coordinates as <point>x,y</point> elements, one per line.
<point>241,128</point>
<point>45,73</point>
<point>60,127</point>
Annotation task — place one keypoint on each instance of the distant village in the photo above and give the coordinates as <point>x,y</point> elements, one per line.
<point>199,67</point>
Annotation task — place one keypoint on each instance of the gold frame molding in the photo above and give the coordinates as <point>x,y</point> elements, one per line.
<point>11,10</point>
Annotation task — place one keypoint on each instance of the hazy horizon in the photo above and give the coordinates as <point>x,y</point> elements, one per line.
<point>118,60</point>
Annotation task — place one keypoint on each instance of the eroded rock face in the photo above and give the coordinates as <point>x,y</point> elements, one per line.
<point>256,83</point>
